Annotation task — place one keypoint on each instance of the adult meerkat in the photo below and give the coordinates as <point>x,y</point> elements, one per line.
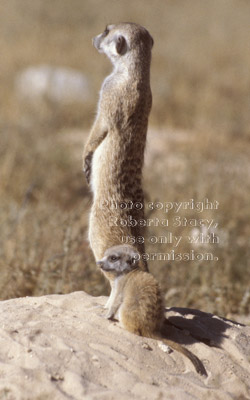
<point>114,152</point>
<point>137,299</point>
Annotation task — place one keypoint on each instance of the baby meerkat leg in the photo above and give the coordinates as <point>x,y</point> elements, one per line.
<point>110,299</point>
<point>115,302</point>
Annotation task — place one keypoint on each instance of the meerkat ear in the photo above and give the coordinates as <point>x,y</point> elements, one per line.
<point>134,260</point>
<point>121,45</point>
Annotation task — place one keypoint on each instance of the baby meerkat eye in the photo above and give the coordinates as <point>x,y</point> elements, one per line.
<point>113,258</point>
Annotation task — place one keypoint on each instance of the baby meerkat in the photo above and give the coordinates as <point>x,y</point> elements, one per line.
<point>114,152</point>
<point>137,299</point>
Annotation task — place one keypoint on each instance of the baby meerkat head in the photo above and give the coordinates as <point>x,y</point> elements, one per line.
<point>120,260</point>
<point>119,40</point>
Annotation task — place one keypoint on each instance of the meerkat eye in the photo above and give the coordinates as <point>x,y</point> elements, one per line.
<point>114,258</point>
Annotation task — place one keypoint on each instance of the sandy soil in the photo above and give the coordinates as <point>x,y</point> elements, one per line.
<point>62,347</point>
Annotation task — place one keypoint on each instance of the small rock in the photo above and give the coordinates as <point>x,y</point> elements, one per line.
<point>58,84</point>
<point>146,346</point>
<point>56,377</point>
<point>165,348</point>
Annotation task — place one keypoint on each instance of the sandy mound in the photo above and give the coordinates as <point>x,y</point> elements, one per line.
<point>61,347</point>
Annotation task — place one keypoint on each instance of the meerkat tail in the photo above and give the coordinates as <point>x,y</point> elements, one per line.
<point>192,357</point>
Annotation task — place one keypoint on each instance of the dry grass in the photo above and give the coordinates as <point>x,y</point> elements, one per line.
<point>200,83</point>
<point>191,165</point>
<point>43,217</point>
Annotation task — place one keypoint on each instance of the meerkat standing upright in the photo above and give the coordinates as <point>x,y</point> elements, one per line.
<point>114,153</point>
<point>137,299</point>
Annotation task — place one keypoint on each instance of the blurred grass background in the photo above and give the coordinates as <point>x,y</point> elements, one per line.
<point>198,144</point>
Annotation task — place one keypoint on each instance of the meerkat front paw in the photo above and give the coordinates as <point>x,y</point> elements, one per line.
<point>87,166</point>
<point>110,315</point>
<point>108,304</point>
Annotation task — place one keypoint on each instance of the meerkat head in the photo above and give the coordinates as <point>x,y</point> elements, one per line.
<point>120,259</point>
<point>119,41</point>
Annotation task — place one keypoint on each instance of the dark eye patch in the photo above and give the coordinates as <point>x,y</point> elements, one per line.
<point>113,258</point>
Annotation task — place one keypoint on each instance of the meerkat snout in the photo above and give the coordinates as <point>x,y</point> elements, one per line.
<point>119,259</point>
<point>107,263</point>
<point>112,44</point>
<point>100,264</point>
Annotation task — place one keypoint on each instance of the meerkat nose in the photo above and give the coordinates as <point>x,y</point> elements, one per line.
<point>100,264</point>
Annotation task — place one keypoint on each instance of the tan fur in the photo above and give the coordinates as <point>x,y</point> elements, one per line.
<point>114,152</point>
<point>137,299</point>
